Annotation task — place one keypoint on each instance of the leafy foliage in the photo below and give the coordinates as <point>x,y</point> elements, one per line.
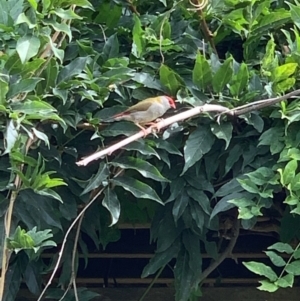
<point>68,66</point>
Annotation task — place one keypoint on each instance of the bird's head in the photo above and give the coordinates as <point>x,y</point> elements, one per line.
<point>168,101</point>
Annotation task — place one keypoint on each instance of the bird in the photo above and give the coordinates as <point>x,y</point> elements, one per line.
<point>146,111</point>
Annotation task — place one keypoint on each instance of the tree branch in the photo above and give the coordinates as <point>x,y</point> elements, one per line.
<point>159,125</point>
<point>260,104</point>
<point>256,105</point>
<point>228,251</point>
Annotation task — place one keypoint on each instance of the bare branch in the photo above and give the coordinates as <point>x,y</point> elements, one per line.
<point>159,125</point>
<point>78,218</point>
<point>226,253</point>
<point>260,104</point>
<point>256,105</point>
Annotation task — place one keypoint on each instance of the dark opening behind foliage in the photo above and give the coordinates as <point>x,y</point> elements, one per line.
<point>67,66</point>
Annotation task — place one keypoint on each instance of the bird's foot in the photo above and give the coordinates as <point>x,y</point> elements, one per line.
<point>142,128</point>
<point>155,125</point>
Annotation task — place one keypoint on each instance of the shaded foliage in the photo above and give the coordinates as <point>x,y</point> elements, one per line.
<point>67,67</point>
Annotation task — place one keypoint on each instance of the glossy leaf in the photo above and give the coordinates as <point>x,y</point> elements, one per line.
<point>293,268</point>
<point>137,188</point>
<point>160,259</point>
<point>239,81</point>
<point>199,143</point>
<point>169,79</point>
<point>138,46</point>
<point>276,259</point>
<point>111,47</point>
<point>27,47</point>
<point>143,167</point>
<point>222,131</point>
<point>261,269</point>
<point>202,76</point>
<point>222,77</point>
<point>112,204</point>
<point>74,68</point>
<point>98,179</point>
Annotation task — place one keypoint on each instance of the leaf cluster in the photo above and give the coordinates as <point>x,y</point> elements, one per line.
<point>67,66</point>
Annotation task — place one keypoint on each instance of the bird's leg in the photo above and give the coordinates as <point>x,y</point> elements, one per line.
<point>154,125</point>
<point>142,128</point>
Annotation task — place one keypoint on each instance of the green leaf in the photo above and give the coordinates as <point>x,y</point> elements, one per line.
<point>137,188</point>
<point>111,47</point>
<point>222,131</point>
<point>283,72</point>
<point>142,147</point>
<point>11,135</point>
<point>74,68</point>
<point>58,53</point>
<point>22,18</point>
<point>262,175</point>
<point>295,13</point>
<point>3,91</point>
<point>109,14</point>
<point>285,281</point>
<point>81,3</point>
<point>34,107</point>
<point>180,205</point>
<point>239,81</point>
<point>201,198</point>
<point>67,14</point>
<point>59,27</point>
<point>255,120</point>
<point>23,86</point>
<point>143,167</point>
<point>160,259</point>
<point>261,269</point>
<point>272,137</point>
<point>249,185</point>
<point>198,144</point>
<point>296,255</point>
<point>112,204</point>
<point>49,193</point>
<point>222,77</point>
<point>269,62</point>
<point>138,45</point>
<point>191,243</point>
<point>170,79</point>
<point>276,259</point>
<point>289,172</point>
<point>98,179</point>
<point>167,146</point>
<point>10,11</point>
<point>183,276</point>
<point>27,47</point>
<point>202,75</point>
<point>267,286</point>
<point>224,205</point>
<point>40,135</point>
<point>293,268</point>
<point>126,128</point>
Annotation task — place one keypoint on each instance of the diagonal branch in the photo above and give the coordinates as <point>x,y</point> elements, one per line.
<point>227,251</point>
<point>256,105</point>
<point>159,125</point>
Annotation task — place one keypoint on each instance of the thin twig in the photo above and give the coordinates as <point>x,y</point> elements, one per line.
<point>8,220</point>
<point>199,6</point>
<point>224,255</point>
<point>260,104</point>
<point>65,241</point>
<point>152,283</point>
<point>73,274</point>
